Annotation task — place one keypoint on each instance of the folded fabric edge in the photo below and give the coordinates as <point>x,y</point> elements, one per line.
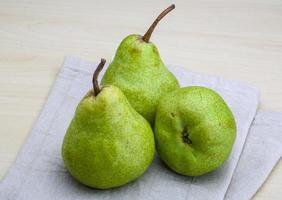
<point>33,135</point>
<point>266,119</point>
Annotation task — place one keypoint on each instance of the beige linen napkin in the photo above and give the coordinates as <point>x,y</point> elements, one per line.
<point>38,172</point>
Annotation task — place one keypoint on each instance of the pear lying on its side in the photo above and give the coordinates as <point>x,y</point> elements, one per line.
<point>107,144</point>
<point>194,130</point>
<point>139,72</point>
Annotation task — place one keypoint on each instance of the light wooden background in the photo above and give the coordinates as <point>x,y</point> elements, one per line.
<point>235,39</point>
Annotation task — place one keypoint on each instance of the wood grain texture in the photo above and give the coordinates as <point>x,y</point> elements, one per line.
<point>236,39</point>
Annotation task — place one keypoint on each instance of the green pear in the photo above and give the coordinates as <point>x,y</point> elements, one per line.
<point>139,72</point>
<point>194,130</point>
<point>107,143</point>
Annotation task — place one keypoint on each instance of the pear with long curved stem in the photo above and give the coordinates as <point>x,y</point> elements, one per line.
<point>139,72</point>
<point>107,144</point>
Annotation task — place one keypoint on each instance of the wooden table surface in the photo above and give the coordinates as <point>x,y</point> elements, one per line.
<point>235,39</point>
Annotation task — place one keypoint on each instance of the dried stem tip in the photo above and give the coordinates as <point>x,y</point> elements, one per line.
<point>96,88</point>
<point>149,32</point>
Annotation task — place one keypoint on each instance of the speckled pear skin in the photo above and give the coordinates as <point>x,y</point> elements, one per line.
<point>194,130</point>
<point>139,72</point>
<point>107,144</point>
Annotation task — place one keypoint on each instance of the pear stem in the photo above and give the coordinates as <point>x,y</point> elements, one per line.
<point>149,32</point>
<point>96,88</point>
